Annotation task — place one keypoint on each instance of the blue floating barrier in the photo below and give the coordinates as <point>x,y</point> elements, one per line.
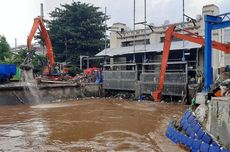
<point>189,142</point>
<point>207,138</point>
<point>193,135</point>
<point>204,147</point>
<point>177,136</point>
<point>191,118</point>
<point>197,127</point>
<point>189,131</point>
<point>215,144</point>
<point>169,132</point>
<point>197,140</point>
<point>224,150</point>
<point>185,126</point>
<point>214,149</point>
<point>187,114</point>
<point>194,123</point>
<point>183,121</point>
<point>167,135</point>
<point>174,136</point>
<point>200,133</point>
<point>184,138</point>
<point>196,144</point>
<point>168,128</point>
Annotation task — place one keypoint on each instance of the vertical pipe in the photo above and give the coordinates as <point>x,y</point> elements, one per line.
<point>145,30</point>
<point>87,62</point>
<point>208,74</point>
<point>134,30</point>
<point>183,19</point>
<point>42,11</point>
<point>105,27</point>
<point>65,50</point>
<point>15,43</point>
<point>42,17</point>
<point>105,36</point>
<point>197,61</point>
<point>81,62</point>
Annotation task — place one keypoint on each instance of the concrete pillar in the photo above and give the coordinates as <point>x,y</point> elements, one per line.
<point>137,89</point>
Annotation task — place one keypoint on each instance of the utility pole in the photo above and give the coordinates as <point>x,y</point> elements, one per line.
<point>65,50</point>
<point>15,43</point>
<point>42,11</point>
<point>145,30</point>
<point>105,28</point>
<point>42,17</point>
<point>105,36</point>
<point>183,20</point>
<point>134,30</point>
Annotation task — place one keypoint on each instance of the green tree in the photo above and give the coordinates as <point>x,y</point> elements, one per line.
<point>4,49</point>
<point>76,29</point>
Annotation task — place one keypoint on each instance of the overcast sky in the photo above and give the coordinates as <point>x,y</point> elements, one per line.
<point>17,15</point>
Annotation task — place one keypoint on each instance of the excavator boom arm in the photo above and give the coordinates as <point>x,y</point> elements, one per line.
<point>169,34</point>
<point>44,34</point>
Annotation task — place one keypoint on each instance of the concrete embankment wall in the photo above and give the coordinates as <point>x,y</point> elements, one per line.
<point>219,119</point>
<point>17,95</point>
<point>175,83</point>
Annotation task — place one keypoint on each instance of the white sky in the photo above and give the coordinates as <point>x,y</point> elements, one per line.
<point>17,15</point>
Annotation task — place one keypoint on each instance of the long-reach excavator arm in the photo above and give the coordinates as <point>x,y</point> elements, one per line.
<point>189,36</point>
<point>44,34</point>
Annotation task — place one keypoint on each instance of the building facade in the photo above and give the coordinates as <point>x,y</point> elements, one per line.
<point>121,36</point>
<point>140,52</point>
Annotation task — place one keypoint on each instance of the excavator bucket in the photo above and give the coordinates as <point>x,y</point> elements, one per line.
<point>27,63</point>
<point>26,66</point>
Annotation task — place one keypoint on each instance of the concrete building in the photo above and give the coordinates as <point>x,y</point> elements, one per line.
<point>121,36</point>
<point>38,48</point>
<point>141,50</point>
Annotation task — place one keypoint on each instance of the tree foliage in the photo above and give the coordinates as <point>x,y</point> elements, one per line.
<point>76,29</point>
<point>4,49</point>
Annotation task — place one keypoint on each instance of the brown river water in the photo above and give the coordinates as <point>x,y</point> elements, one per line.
<point>88,125</point>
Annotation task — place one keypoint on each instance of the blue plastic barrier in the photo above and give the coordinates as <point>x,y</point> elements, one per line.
<point>193,136</point>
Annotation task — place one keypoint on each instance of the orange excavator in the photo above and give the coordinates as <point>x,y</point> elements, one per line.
<point>27,64</point>
<point>187,36</point>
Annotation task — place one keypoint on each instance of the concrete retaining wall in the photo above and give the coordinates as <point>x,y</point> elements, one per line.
<point>219,119</point>
<point>17,95</point>
<point>119,80</point>
<point>175,83</point>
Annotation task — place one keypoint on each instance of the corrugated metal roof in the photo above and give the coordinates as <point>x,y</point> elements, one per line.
<point>149,48</point>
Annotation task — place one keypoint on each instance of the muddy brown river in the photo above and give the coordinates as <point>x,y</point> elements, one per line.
<point>88,125</point>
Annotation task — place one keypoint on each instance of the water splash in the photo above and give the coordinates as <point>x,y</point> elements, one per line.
<point>30,84</point>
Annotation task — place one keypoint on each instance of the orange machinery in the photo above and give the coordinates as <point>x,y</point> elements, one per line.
<point>38,22</point>
<point>189,36</point>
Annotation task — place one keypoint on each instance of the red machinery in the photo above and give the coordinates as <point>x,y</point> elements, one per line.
<point>189,36</point>
<point>44,34</point>
<point>50,68</point>
<point>90,71</point>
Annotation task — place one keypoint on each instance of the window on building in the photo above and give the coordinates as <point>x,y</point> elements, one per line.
<point>162,39</point>
<point>138,42</point>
